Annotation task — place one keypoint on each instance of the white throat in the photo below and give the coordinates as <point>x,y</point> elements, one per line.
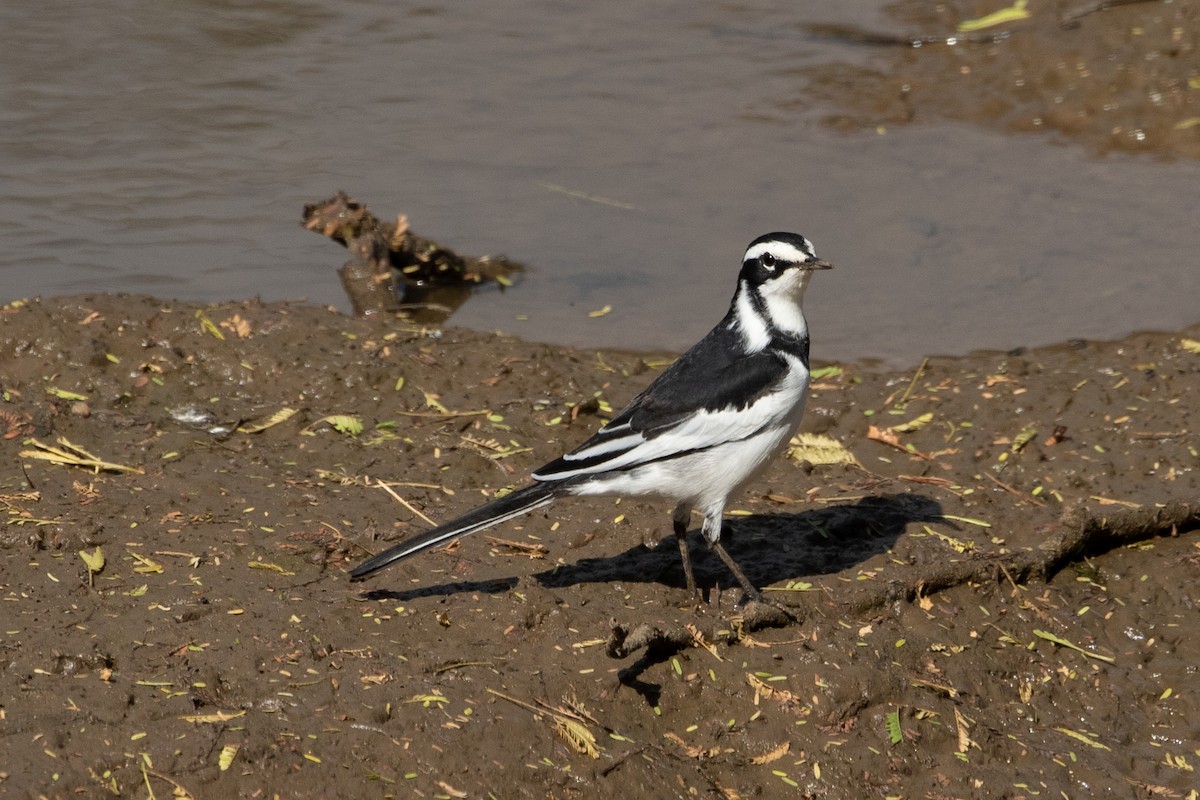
<point>786,315</point>
<point>780,310</point>
<point>782,298</point>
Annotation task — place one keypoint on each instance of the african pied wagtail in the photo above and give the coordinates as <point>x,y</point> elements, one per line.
<point>701,431</point>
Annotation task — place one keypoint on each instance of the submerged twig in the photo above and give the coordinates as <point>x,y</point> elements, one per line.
<point>393,268</point>
<point>853,35</point>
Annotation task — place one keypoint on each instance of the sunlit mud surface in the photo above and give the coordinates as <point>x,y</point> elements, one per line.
<point>1115,76</point>
<point>997,601</point>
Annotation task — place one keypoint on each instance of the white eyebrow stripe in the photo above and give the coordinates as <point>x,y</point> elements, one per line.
<point>781,250</point>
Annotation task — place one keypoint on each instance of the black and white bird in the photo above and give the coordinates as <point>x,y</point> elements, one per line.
<point>701,431</point>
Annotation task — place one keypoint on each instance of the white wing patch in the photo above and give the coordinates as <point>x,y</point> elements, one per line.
<point>631,439</point>
<point>700,431</point>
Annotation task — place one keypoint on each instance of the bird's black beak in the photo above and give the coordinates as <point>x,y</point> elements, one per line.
<point>818,264</point>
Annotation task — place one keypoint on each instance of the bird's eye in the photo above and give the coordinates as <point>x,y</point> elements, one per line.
<point>768,262</point>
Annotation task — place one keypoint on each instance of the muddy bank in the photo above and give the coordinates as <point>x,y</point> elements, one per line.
<point>997,600</point>
<point>1112,74</point>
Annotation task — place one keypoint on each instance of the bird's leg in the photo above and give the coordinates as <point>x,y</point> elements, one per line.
<point>751,590</point>
<point>680,520</point>
<point>714,524</point>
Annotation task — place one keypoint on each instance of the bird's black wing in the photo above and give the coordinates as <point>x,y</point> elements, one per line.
<point>700,401</point>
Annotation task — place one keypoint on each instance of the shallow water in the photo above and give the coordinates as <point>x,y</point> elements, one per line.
<point>626,153</point>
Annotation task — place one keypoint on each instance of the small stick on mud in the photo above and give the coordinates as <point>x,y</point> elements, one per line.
<point>1082,531</point>
<point>623,642</point>
<point>667,638</point>
<point>1014,492</point>
<point>1070,18</point>
<point>1077,532</point>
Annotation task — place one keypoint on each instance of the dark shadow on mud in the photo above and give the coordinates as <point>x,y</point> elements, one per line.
<point>494,586</point>
<point>769,547</point>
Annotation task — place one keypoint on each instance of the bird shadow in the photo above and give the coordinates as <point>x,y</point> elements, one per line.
<point>492,586</point>
<point>769,547</point>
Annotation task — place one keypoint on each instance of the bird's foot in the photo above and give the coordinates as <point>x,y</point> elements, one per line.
<point>757,614</point>
<point>751,593</point>
<point>695,597</point>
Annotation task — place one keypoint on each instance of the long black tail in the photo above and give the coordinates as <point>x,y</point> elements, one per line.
<point>513,504</point>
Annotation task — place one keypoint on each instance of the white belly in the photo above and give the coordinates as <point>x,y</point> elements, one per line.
<point>705,477</point>
<point>703,480</point>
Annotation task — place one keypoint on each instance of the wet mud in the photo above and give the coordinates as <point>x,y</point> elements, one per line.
<point>1112,74</point>
<point>996,600</point>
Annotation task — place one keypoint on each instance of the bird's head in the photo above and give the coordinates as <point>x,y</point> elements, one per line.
<point>780,265</point>
<point>775,271</point>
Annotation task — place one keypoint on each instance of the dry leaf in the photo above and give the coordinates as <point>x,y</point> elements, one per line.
<point>1017,11</point>
<point>207,325</point>
<point>885,435</point>
<point>376,680</point>
<point>269,566</point>
<point>819,450</point>
<point>279,416</point>
<point>772,755</point>
<point>215,717</point>
<point>342,423</point>
<point>93,560</point>
<point>577,735</point>
<point>145,565</point>
<point>71,454</point>
<point>1023,438</point>
<point>694,751</point>
<point>450,790</point>
<point>236,324</point>
<point>914,424</point>
<point>964,738</point>
<point>432,401</point>
<point>228,752</point>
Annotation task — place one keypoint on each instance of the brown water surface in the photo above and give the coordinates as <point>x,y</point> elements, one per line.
<point>627,153</point>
